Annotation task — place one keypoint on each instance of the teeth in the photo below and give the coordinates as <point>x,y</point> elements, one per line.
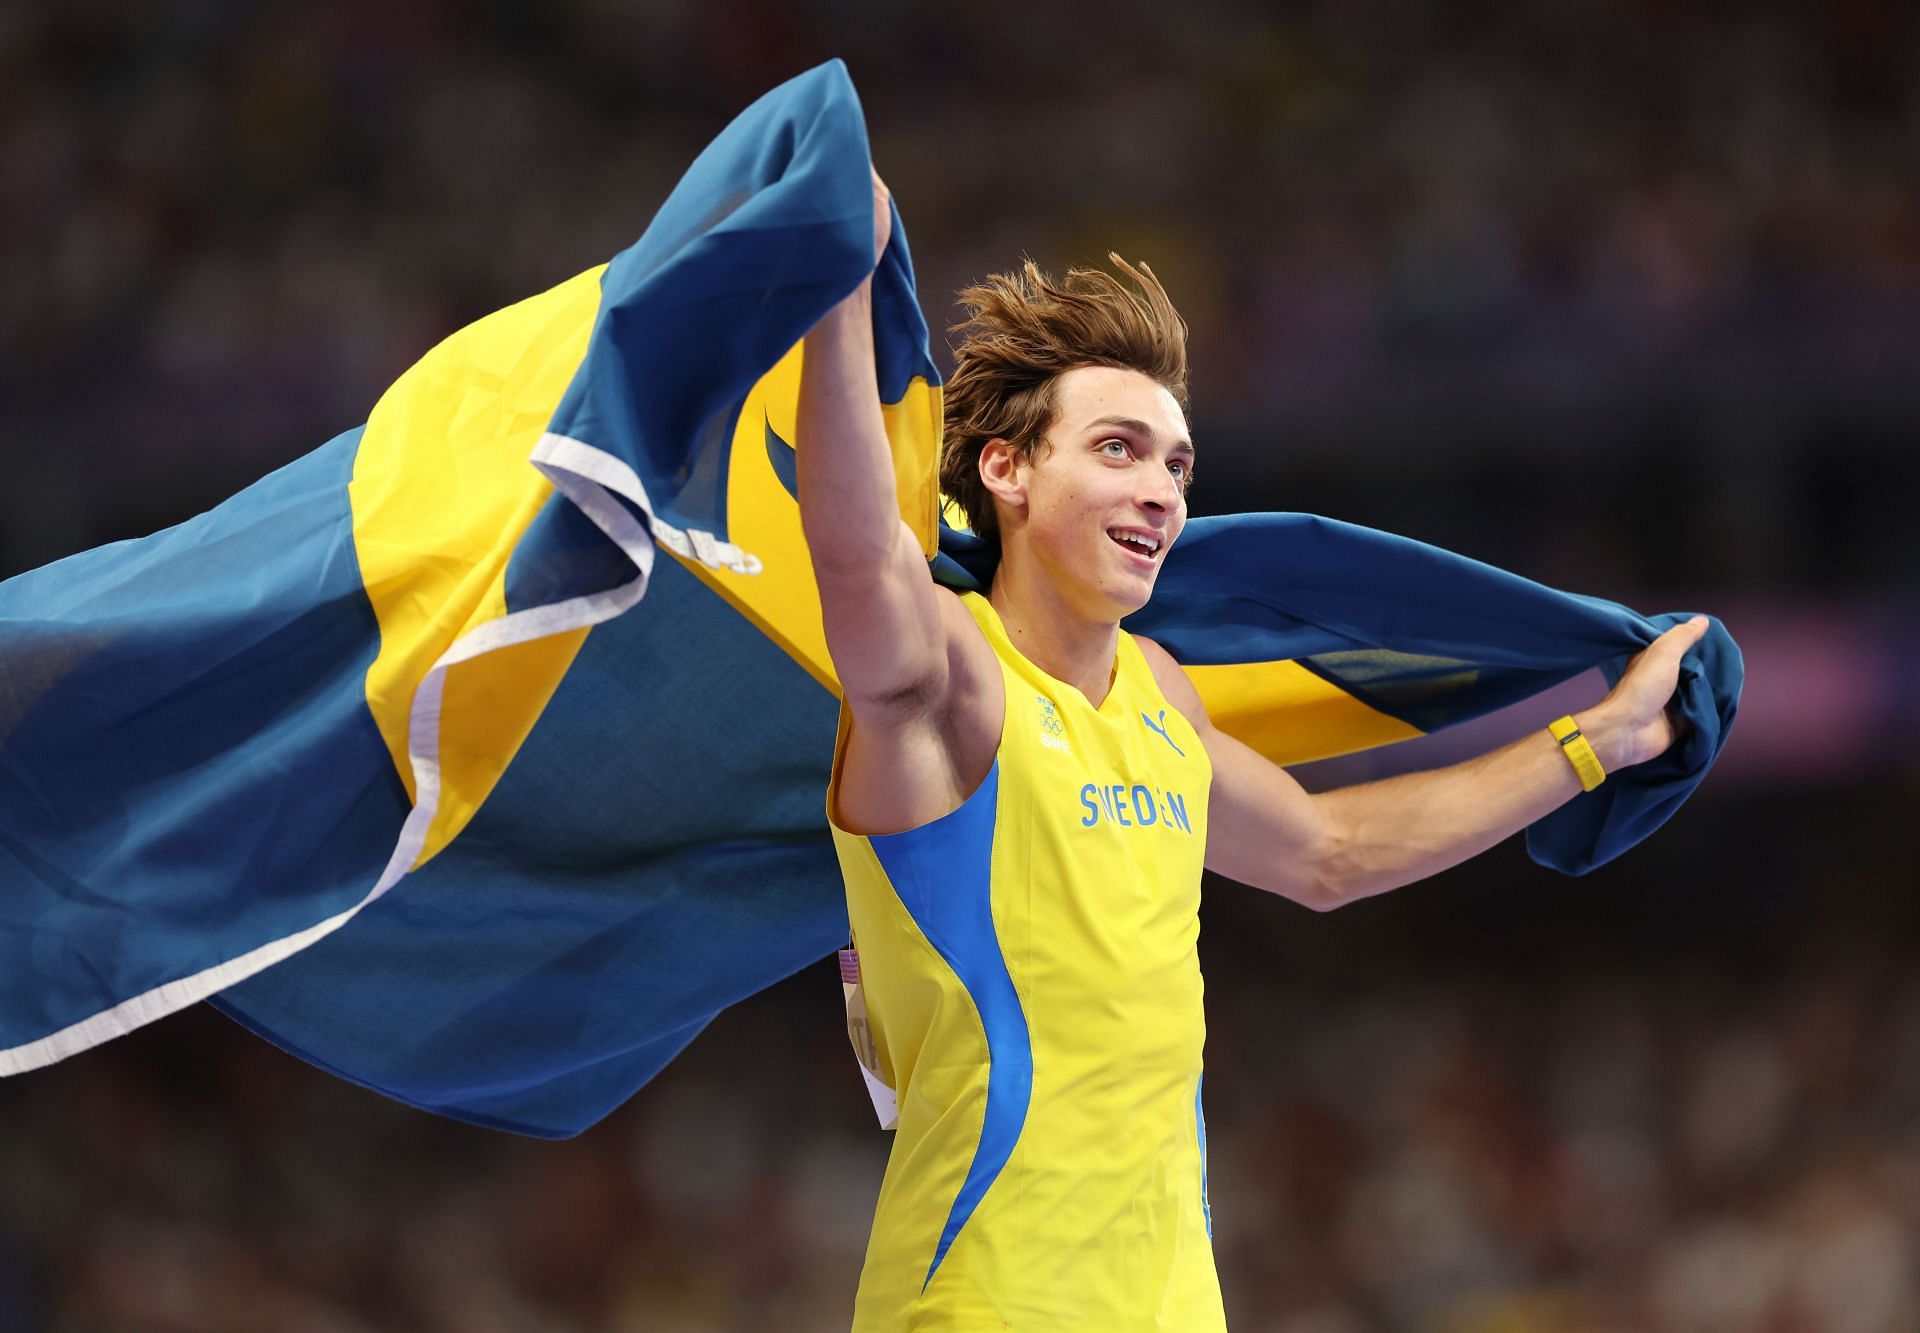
<point>1147,544</point>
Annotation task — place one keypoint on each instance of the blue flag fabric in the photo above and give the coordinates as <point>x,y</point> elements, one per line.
<point>221,743</point>
<point>480,756</point>
<point>1426,636</point>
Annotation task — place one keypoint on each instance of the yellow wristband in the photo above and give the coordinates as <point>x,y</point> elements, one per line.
<point>1579,753</point>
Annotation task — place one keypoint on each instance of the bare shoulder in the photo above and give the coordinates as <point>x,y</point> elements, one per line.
<point>902,768</point>
<point>1173,682</point>
<point>973,671</point>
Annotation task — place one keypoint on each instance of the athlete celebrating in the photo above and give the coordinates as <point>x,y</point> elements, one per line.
<point>1024,797</point>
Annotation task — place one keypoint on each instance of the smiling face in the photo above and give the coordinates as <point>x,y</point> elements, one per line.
<point>1095,507</point>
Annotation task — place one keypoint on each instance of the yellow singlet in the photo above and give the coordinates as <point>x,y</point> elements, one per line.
<point>1034,994</point>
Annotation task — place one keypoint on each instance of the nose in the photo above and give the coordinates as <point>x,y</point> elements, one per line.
<point>1160,496</point>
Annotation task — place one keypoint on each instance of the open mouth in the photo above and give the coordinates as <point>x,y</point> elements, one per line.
<point>1143,546</point>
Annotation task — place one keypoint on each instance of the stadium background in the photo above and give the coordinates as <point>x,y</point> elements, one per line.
<point>1625,297</point>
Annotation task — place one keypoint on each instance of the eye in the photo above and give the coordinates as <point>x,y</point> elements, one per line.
<point>1108,446</point>
<point>1179,468</point>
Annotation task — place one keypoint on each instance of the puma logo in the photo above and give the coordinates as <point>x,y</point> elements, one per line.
<point>1161,730</point>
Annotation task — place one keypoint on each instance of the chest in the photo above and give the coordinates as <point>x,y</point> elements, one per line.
<point>1107,805</point>
<point>1131,764</point>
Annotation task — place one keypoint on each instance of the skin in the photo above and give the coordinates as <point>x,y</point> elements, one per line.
<point>923,687</point>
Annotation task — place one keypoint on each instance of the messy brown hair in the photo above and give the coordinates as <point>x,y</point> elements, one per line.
<point>1022,331</point>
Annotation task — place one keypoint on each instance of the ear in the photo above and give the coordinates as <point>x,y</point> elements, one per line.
<point>1003,472</point>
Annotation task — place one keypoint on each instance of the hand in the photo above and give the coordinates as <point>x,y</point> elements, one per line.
<point>882,216</point>
<point>858,304</point>
<point>1631,725</point>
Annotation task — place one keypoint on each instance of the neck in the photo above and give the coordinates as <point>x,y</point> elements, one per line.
<point>1053,634</point>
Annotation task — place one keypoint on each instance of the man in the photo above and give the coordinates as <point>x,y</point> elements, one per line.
<point>1024,797</point>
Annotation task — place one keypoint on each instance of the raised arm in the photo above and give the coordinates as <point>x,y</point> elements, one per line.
<point>882,611</point>
<point>1330,849</point>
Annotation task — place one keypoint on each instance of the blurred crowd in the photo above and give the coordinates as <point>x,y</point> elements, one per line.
<point>1664,1099</point>
<point>1684,235</point>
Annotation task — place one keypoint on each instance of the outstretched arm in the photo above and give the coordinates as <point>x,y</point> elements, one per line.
<point>1326,850</point>
<point>881,609</point>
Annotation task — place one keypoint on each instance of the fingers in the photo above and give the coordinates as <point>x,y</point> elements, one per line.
<point>882,214</point>
<point>1681,637</point>
<point>1661,658</point>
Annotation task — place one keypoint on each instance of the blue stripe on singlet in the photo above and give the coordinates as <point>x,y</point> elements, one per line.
<point>941,872</point>
<point>1200,1130</point>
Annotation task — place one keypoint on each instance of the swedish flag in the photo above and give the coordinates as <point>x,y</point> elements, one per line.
<point>479,756</point>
